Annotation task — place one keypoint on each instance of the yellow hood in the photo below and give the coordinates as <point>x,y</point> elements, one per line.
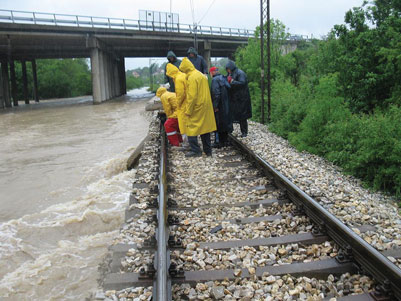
<point>161,91</point>
<point>172,71</point>
<point>186,66</point>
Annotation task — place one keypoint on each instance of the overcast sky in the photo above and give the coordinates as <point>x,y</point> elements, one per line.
<point>304,17</point>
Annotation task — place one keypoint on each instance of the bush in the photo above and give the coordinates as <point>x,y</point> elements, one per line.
<point>377,159</point>
<point>322,111</point>
<point>288,109</point>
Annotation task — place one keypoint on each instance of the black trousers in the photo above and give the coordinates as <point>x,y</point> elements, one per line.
<point>206,144</point>
<point>223,137</point>
<point>243,124</point>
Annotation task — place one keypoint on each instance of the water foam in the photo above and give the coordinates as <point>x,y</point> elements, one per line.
<point>77,233</point>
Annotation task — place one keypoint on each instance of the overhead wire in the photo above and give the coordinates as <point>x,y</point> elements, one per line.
<point>195,24</point>
<point>192,11</point>
<point>210,6</point>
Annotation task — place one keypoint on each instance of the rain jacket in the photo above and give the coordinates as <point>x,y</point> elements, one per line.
<point>219,90</point>
<point>169,102</point>
<point>198,61</point>
<point>176,63</point>
<point>180,81</point>
<point>240,99</point>
<point>199,109</point>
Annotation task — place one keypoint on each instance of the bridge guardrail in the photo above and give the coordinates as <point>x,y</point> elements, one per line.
<point>38,18</point>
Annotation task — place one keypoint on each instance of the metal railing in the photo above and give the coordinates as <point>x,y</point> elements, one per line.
<point>37,18</point>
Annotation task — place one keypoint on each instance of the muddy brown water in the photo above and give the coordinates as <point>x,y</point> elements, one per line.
<point>63,191</point>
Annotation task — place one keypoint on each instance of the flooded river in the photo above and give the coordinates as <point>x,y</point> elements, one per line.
<point>63,191</point>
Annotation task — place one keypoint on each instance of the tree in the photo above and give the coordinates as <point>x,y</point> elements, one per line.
<point>248,59</point>
<point>369,63</point>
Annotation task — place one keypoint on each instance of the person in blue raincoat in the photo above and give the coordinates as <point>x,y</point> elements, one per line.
<point>240,99</point>
<point>221,105</point>
<point>197,60</point>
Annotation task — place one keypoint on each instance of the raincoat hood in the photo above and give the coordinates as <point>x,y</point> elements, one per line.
<point>192,50</point>
<point>161,91</point>
<point>186,66</point>
<point>171,54</point>
<point>171,70</point>
<point>231,65</point>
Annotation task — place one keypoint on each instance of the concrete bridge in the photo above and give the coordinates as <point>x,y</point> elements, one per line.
<point>27,36</point>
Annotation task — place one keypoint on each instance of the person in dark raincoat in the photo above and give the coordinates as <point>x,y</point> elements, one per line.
<point>172,58</point>
<point>221,105</point>
<point>240,99</point>
<point>197,60</point>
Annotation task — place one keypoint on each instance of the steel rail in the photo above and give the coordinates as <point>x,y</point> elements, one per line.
<point>162,281</point>
<point>370,260</point>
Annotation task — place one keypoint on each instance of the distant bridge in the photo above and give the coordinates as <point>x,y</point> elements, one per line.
<point>27,36</point>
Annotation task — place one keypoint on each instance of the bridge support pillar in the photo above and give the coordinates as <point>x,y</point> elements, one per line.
<point>122,79</point>
<point>109,93</point>
<point>25,81</point>
<point>206,53</point>
<point>5,84</point>
<point>107,72</point>
<point>113,74</point>
<point>117,83</point>
<point>98,68</point>
<point>110,76</point>
<point>5,100</point>
<point>13,83</point>
<point>35,81</point>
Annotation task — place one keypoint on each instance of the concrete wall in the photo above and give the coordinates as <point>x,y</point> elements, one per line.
<point>288,48</point>
<point>108,75</point>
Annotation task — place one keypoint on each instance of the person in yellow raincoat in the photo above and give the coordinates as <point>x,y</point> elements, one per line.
<point>169,102</point>
<point>199,110</point>
<point>180,82</point>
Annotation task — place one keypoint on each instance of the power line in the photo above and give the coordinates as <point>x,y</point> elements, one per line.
<point>192,11</point>
<point>210,6</point>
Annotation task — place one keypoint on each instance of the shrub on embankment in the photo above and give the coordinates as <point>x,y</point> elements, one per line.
<point>339,98</point>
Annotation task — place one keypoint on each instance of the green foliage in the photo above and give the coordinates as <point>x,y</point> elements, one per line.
<point>378,150</point>
<point>56,78</point>
<point>132,81</point>
<point>288,108</point>
<point>322,111</point>
<point>368,62</point>
<point>248,59</point>
<point>339,98</point>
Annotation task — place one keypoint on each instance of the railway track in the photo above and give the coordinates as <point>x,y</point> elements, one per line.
<point>231,227</point>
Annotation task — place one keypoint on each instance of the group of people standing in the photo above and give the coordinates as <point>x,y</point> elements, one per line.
<point>194,109</point>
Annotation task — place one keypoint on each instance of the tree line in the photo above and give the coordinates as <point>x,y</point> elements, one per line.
<point>339,97</point>
<point>57,78</point>
<point>61,78</point>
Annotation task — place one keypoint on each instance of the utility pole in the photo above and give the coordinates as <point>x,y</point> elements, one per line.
<point>150,75</point>
<point>265,17</point>
<point>195,36</point>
